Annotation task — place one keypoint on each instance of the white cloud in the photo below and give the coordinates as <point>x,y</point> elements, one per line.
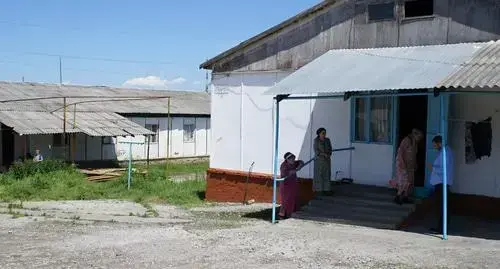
<point>178,80</point>
<point>153,82</point>
<point>197,82</point>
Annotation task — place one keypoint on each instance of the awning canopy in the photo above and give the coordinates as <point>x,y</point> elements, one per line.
<point>378,69</point>
<point>33,122</point>
<point>90,123</point>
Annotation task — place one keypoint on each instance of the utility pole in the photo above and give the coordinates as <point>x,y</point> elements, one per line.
<point>60,70</point>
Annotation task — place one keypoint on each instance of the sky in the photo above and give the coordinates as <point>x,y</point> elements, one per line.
<point>156,44</point>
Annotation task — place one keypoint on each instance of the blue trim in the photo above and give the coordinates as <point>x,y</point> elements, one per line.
<point>444,132</point>
<point>394,131</point>
<point>353,119</point>
<point>367,104</point>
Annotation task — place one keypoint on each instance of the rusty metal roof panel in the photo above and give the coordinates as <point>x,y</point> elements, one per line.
<point>481,71</point>
<point>400,68</point>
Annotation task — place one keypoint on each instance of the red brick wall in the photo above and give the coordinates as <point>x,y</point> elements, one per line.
<point>229,186</point>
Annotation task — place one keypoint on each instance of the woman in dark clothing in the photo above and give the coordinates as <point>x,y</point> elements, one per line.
<point>322,164</point>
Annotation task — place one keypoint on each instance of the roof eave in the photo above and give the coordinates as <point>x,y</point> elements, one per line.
<point>304,14</point>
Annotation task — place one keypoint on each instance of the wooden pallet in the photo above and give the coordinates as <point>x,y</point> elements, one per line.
<point>98,175</point>
<point>101,178</point>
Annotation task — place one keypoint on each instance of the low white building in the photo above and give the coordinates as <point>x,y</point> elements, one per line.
<point>99,120</point>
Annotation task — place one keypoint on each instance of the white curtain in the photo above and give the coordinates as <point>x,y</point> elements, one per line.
<point>380,119</point>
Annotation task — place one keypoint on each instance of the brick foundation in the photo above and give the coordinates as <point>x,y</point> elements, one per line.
<point>229,186</point>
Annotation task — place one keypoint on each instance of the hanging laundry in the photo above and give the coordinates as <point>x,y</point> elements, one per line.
<point>470,154</point>
<point>482,138</point>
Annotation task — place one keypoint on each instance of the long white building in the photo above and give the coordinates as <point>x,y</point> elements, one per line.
<point>99,120</point>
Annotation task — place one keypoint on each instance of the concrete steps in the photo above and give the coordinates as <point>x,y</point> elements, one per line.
<point>357,205</point>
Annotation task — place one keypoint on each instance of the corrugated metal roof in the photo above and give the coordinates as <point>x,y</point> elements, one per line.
<point>92,124</point>
<point>339,71</point>
<point>482,71</point>
<point>182,102</point>
<point>103,124</point>
<point>31,123</point>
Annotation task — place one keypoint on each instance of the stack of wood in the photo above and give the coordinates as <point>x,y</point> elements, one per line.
<point>98,175</point>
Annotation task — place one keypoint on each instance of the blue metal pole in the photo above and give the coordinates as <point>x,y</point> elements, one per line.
<point>129,165</point>
<point>444,133</point>
<point>394,125</point>
<point>276,152</point>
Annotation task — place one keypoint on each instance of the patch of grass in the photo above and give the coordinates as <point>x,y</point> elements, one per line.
<point>67,183</point>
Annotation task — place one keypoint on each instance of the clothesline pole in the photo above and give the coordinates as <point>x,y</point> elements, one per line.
<point>314,158</point>
<point>276,152</point>
<point>444,131</point>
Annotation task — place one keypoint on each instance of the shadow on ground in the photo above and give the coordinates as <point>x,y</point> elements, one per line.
<point>459,225</point>
<point>201,195</point>
<point>463,226</point>
<point>262,214</point>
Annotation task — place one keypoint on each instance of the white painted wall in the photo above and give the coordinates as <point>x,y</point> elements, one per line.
<point>178,148</point>
<point>482,177</point>
<point>243,124</point>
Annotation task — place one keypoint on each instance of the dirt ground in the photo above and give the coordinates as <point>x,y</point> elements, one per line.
<point>114,234</point>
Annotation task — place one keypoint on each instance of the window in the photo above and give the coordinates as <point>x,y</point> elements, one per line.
<point>153,128</point>
<point>107,140</point>
<point>377,12</point>
<point>372,119</point>
<point>57,140</point>
<point>419,8</point>
<point>189,128</point>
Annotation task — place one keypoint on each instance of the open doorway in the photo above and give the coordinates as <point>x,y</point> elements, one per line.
<point>7,145</point>
<point>413,114</point>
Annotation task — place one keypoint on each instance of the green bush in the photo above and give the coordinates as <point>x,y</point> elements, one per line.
<point>56,180</point>
<point>20,170</point>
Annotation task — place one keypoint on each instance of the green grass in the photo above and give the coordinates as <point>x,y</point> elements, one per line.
<point>62,182</point>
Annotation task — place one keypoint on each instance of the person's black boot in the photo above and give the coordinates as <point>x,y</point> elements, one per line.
<point>398,200</point>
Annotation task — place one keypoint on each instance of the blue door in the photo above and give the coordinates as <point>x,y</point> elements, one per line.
<point>433,129</point>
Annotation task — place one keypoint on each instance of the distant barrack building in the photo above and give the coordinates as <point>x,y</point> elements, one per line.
<point>97,118</point>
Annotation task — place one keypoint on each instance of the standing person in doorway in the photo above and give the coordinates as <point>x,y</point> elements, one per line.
<point>323,163</point>
<point>406,165</point>
<point>38,156</point>
<point>289,188</point>
<point>437,174</point>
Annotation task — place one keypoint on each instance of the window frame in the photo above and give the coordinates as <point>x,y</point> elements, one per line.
<point>155,136</point>
<point>367,124</point>
<point>193,130</point>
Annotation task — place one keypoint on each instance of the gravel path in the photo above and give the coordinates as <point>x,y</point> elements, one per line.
<point>217,237</point>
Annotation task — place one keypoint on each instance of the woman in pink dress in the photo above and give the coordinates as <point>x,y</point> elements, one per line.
<point>406,165</point>
<point>289,188</point>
